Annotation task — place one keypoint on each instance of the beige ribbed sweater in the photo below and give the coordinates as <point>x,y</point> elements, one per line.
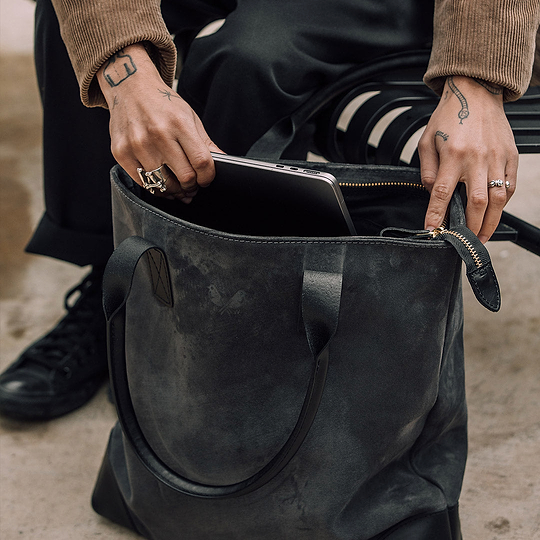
<point>493,40</point>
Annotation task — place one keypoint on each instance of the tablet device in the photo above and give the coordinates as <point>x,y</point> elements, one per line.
<point>274,199</point>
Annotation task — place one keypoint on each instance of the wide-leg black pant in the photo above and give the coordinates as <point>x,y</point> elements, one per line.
<point>266,60</point>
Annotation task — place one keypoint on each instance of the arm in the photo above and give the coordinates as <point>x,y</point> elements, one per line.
<point>150,124</point>
<point>94,31</point>
<point>482,55</point>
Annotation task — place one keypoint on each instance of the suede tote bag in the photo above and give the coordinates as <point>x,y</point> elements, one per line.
<point>289,388</point>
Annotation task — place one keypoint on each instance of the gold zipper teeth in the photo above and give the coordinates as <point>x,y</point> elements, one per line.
<point>383,184</point>
<point>466,243</point>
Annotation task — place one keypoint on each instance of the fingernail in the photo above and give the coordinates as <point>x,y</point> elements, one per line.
<point>483,238</point>
<point>430,228</point>
<point>186,200</point>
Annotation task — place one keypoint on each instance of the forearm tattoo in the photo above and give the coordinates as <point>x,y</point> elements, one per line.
<point>464,112</point>
<point>442,135</point>
<point>491,88</point>
<point>119,68</point>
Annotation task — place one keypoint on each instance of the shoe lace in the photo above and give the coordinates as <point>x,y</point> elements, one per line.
<point>79,327</point>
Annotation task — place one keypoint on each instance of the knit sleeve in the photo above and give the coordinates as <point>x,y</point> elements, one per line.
<point>93,30</point>
<point>493,40</point>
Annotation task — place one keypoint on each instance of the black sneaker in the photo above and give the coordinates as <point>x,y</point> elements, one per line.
<point>61,371</point>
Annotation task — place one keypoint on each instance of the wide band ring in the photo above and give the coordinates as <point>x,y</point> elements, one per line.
<point>153,179</point>
<point>499,183</point>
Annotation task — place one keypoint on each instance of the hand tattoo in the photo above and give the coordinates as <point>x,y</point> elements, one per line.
<point>168,94</point>
<point>464,106</point>
<point>491,88</point>
<point>119,67</point>
<point>442,135</point>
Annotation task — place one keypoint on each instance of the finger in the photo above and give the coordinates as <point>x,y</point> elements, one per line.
<point>496,202</point>
<point>131,167</point>
<point>511,174</point>
<point>173,189</point>
<point>175,167</point>
<point>184,176</point>
<point>477,198</point>
<point>441,185</point>
<point>429,160</point>
<point>197,145</point>
<point>429,170</point>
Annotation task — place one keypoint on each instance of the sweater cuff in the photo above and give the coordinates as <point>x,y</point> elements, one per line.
<point>492,41</point>
<point>93,35</point>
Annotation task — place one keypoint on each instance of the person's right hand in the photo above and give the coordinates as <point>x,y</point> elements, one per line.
<point>151,125</point>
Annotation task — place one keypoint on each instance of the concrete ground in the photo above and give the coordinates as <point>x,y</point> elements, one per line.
<point>47,470</point>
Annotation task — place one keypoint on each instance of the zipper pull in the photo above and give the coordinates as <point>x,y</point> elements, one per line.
<point>477,261</point>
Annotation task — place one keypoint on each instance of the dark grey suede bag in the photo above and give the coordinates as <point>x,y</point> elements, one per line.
<point>289,388</point>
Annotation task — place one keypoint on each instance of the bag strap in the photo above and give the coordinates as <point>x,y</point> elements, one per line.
<point>321,297</point>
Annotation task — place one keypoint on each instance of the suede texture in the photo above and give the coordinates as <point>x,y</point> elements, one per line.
<point>217,381</point>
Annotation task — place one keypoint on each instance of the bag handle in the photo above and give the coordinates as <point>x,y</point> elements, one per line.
<point>321,297</point>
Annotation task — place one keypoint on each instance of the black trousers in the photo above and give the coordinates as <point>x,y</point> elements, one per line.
<point>265,61</point>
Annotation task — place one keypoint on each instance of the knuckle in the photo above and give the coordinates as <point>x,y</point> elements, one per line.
<point>478,199</point>
<point>498,197</point>
<point>428,179</point>
<point>188,179</point>
<point>138,143</point>
<point>120,150</point>
<point>202,161</point>
<point>481,153</point>
<point>456,151</point>
<point>204,167</point>
<point>513,154</point>
<point>424,144</point>
<point>441,192</point>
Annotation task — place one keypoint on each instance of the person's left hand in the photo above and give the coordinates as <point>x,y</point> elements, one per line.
<point>468,139</point>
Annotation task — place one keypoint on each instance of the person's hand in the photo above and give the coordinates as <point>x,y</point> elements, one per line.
<point>468,139</point>
<point>151,125</point>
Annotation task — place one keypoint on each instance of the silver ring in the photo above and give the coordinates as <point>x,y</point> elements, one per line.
<point>507,184</point>
<point>497,183</point>
<point>153,179</point>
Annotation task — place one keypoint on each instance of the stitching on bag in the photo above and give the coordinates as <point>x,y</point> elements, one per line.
<point>358,240</point>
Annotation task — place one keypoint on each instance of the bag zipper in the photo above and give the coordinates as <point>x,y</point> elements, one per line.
<point>382,184</point>
<point>473,253</point>
<point>442,230</point>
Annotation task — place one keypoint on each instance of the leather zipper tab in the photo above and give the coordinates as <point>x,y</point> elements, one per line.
<point>477,261</point>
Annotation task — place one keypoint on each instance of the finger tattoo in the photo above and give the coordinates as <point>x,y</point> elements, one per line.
<point>442,135</point>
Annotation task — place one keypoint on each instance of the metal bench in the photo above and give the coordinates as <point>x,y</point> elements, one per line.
<point>375,115</point>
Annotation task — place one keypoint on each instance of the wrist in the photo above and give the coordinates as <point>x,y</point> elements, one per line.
<point>124,71</point>
<point>476,86</point>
